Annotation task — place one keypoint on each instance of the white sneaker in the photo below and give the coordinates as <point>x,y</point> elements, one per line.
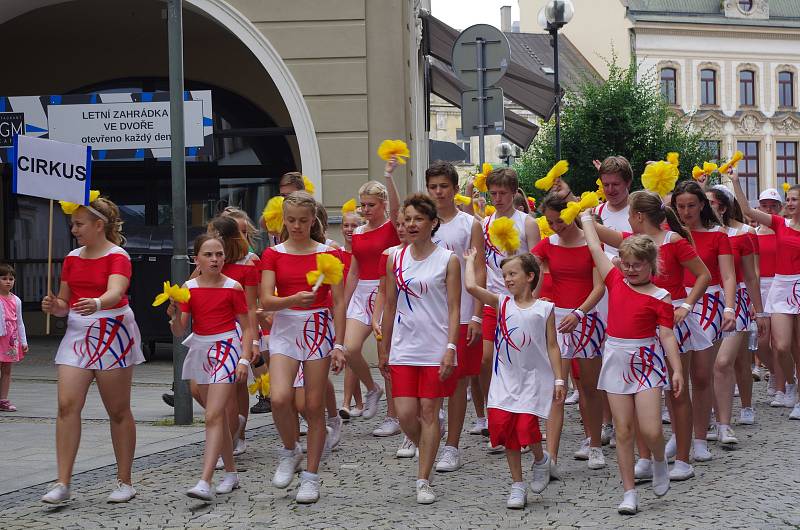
<point>681,471</point>
<point>573,398</point>
<point>371,400</point>
<point>57,494</point>
<point>660,478</point>
<point>308,492</point>
<point>240,447</point>
<point>220,464</point>
<point>303,427</point>
<point>583,452</point>
<point>726,435</point>
<point>643,470</point>
<point>201,491</point>
<point>757,373</point>
<point>671,448</point>
<point>356,412</point>
<point>407,449</point>
<point>495,449</point>
<point>795,414</point>
<point>747,416</point>
<point>665,417</point>
<point>478,426</point>
<point>389,427</point>
<point>780,397</point>
<point>629,504</point>
<point>425,493</point>
<point>790,396</point>
<point>228,483</point>
<point>335,432</point>
<point>450,460</point>
<point>541,474</point>
<point>713,433</point>
<point>122,493</point>
<point>596,458</point>
<point>700,450</point>
<point>517,497</point>
<point>288,465</point>
<point>606,432</point>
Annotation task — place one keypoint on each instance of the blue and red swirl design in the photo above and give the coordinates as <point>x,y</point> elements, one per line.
<point>646,369</point>
<point>743,317</point>
<point>586,340</point>
<point>106,343</point>
<point>317,337</point>
<point>221,360</point>
<point>710,314</point>
<point>794,295</point>
<point>504,337</point>
<point>405,290</point>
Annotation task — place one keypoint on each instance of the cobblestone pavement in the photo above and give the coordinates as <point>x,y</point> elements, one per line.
<point>364,485</point>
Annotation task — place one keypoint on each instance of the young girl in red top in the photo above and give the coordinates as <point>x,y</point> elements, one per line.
<point>101,343</point>
<point>647,215</point>
<point>302,333</point>
<point>217,358</point>
<point>783,301</point>
<point>714,312</point>
<point>369,241</point>
<point>634,369</point>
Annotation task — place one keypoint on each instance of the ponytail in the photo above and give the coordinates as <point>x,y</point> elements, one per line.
<point>675,224</point>
<point>652,207</point>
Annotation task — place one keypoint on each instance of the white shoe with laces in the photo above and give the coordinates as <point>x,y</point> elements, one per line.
<point>573,398</point>
<point>583,452</point>
<point>201,491</point>
<point>681,471</point>
<point>517,497</point>
<point>478,426</point>
<point>606,432</point>
<point>228,483</point>
<point>643,470</point>
<point>495,449</point>
<point>335,433</point>
<point>371,400</point>
<point>122,493</point>
<point>58,493</point>
<point>700,450</point>
<point>450,460</point>
<point>747,416</point>
<point>726,435</point>
<point>629,504</point>
<point>308,492</point>
<point>778,400</point>
<point>541,474</point>
<point>389,427</point>
<point>596,458</point>
<point>288,465</point>
<point>356,412</point>
<point>713,433</point>
<point>795,414</point>
<point>407,449</point>
<point>425,493</point>
<point>240,447</point>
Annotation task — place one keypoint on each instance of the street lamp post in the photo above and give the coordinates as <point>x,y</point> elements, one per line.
<point>552,17</point>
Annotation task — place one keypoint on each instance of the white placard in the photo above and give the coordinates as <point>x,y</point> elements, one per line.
<point>139,125</point>
<point>52,170</point>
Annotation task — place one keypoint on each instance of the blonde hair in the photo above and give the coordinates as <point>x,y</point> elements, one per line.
<point>373,188</point>
<point>250,231</point>
<point>305,200</point>
<point>113,226</point>
<point>641,247</point>
<point>293,178</point>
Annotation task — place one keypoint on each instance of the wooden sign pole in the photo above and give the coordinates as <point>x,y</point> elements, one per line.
<point>49,265</point>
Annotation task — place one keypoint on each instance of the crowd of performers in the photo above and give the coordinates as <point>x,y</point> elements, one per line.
<point>645,294</point>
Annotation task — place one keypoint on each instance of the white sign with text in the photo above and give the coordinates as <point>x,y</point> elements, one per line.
<point>52,170</point>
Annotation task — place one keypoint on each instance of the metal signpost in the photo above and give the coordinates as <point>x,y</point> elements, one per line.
<point>480,59</point>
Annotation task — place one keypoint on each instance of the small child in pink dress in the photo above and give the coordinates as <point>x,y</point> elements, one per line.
<point>13,342</point>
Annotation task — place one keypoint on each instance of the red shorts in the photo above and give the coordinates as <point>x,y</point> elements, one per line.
<point>489,322</point>
<point>514,430</point>
<point>469,357</point>
<point>421,382</point>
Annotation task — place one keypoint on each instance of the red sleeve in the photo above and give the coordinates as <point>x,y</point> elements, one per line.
<point>268,259</point>
<point>723,244</point>
<point>120,264</point>
<point>665,314</point>
<point>778,224</point>
<point>613,278</point>
<point>185,307</point>
<point>541,248</point>
<point>239,301</point>
<point>626,235</point>
<point>382,264</point>
<point>746,246</point>
<point>684,250</point>
<point>253,276</point>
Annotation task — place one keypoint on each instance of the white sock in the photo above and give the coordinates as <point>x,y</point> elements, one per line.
<point>203,484</point>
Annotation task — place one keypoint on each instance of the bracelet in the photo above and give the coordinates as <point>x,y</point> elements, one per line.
<point>580,314</point>
<point>451,346</point>
<point>98,304</point>
<point>387,175</point>
<point>686,306</point>
<point>560,382</point>
<point>256,342</point>
<point>339,347</point>
<point>244,362</point>
<point>728,310</point>
<point>762,315</point>
<point>477,319</point>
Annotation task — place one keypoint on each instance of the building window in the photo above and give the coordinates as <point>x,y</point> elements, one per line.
<point>463,143</point>
<point>746,5</point>
<point>747,87</point>
<point>712,148</point>
<point>785,89</point>
<point>708,87</point>
<point>786,163</point>
<point>748,168</point>
<point>668,77</point>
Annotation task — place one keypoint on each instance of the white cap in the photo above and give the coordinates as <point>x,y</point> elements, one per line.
<point>770,194</point>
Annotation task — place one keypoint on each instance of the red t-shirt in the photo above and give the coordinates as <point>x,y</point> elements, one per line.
<point>247,274</point>
<point>787,247</point>
<point>709,245</point>
<point>767,249</point>
<point>347,259</point>
<point>571,270</point>
<point>290,273</point>
<point>671,257</point>
<point>741,245</point>
<point>88,278</point>
<point>634,315</point>
<point>546,291</point>
<point>214,309</point>
<point>368,247</point>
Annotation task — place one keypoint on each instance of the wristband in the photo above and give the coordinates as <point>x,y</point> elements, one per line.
<point>580,314</point>
<point>387,175</point>
<point>98,304</point>
<point>560,382</point>
<point>244,362</point>
<point>762,315</point>
<point>451,346</point>
<point>686,306</point>
<point>729,310</point>
<point>256,343</point>
<point>477,319</point>
<point>339,347</point>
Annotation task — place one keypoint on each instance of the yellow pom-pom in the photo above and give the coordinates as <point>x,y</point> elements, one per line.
<point>273,215</point>
<point>349,207</point>
<point>546,182</point>
<point>308,185</point>
<point>93,196</point>
<point>480,178</point>
<point>673,158</point>
<point>660,177</point>
<point>504,235</point>
<point>462,199</point>
<point>786,188</point>
<point>588,200</point>
<point>260,385</point>
<point>724,168</point>
<point>489,211</point>
<point>172,292</point>
<point>68,208</point>
<point>329,267</point>
<point>544,227</point>
<point>709,168</point>
<point>394,148</point>
<point>601,193</point>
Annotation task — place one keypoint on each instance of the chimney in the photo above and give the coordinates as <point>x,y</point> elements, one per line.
<point>505,19</point>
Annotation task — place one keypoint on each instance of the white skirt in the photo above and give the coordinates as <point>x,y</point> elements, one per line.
<point>104,340</point>
<point>362,303</point>
<point>744,311</point>
<point>766,284</point>
<point>707,313</point>
<point>784,295</point>
<point>586,340</point>
<point>631,366</point>
<point>688,333</point>
<point>212,358</point>
<point>304,335</point>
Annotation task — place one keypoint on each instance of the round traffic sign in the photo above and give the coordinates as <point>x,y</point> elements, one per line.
<point>496,55</point>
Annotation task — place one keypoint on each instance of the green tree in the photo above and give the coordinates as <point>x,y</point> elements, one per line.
<point>621,116</point>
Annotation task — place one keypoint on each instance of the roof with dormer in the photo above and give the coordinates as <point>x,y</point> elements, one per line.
<point>764,13</point>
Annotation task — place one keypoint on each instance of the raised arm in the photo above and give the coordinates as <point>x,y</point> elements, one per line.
<point>601,261</point>
<point>756,215</point>
<point>394,197</point>
<point>478,291</point>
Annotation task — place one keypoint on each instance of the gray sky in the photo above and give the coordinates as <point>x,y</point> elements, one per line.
<point>461,14</point>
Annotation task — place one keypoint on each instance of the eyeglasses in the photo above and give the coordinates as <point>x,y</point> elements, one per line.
<point>632,266</point>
